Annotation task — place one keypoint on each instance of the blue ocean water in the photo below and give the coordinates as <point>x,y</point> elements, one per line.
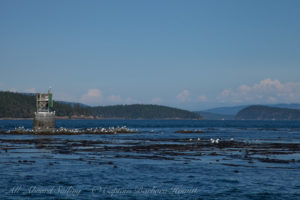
<point>253,160</point>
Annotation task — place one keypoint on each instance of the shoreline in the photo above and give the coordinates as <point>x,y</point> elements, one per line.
<point>88,118</point>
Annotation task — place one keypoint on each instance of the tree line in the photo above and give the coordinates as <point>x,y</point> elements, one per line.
<point>18,105</point>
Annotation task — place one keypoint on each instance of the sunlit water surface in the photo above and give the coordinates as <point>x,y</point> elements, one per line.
<point>252,160</point>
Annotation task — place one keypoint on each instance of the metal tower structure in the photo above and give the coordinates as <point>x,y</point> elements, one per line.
<point>44,117</point>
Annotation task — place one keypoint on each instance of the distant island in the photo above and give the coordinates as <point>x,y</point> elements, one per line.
<point>253,112</point>
<point>267,113</point>
<point>215,116</point>
<point>19,105</point>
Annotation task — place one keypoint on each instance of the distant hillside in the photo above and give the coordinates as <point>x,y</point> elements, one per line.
<point>213,116</point>
<point>268,113</point>
<point>73,103</point>
<point>284,105</point>
<point>233,110</point>
<point>17,105</point>
<point>230,110</point>
<point>140,111</point>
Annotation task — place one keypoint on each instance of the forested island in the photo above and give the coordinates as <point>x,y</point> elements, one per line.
<point>268,113</point>
<point>19,105</point>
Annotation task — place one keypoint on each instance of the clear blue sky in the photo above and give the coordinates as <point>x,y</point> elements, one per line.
<point>188,54</point>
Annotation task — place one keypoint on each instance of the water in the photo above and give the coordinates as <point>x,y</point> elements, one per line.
<point>253,160</point>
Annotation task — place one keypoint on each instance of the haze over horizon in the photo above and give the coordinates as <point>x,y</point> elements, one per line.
<point>193,55</point>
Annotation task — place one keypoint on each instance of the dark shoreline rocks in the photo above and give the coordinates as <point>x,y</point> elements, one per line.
<point>189,131</point>
<point>74,131</point>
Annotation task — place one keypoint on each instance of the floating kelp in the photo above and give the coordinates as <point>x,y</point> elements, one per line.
<point>189,131</point>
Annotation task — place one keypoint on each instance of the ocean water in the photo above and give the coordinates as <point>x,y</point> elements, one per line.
<point>212,160</point>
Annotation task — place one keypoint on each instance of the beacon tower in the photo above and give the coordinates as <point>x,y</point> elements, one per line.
<point>44,117</point>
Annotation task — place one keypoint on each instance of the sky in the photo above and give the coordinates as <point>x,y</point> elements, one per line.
<point>194,54</point>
